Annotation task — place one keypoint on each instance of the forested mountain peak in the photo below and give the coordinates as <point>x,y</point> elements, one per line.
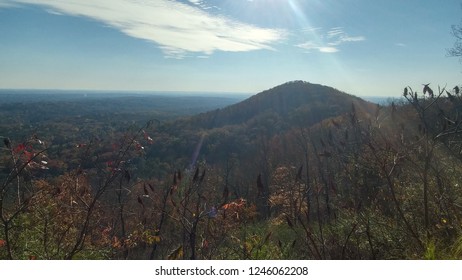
<point>291,101</point>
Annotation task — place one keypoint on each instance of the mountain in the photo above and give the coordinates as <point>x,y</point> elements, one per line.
<point>295,101</point>
<point>239,129</point>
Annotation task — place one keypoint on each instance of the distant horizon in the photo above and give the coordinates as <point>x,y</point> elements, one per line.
<point>149,91</point>
<point>383,100</point>
<point>124,91</point>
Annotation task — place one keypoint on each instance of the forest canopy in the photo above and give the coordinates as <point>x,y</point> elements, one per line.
<point>300,171</point>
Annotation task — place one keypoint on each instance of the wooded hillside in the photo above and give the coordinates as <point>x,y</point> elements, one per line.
<point>300,171</point>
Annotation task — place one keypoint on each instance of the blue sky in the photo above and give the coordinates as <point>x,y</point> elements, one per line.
<point>362,47</point>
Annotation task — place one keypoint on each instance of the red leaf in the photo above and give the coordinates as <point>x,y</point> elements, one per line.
<point>28,155</point>
<point>19,148</point>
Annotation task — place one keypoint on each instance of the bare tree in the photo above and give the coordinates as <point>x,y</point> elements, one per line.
<point>456,50</point>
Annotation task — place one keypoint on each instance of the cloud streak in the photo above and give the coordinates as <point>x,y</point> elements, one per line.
<point>330,41</point>
<point>310,45</point>
<point>6,4</point>
<point>178,28</point>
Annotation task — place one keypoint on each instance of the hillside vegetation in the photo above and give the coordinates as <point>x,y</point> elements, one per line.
<point>299,171</point>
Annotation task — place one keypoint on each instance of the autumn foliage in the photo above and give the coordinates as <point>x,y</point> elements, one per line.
<point>312,173</point>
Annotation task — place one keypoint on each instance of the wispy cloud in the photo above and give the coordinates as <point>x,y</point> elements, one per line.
<point>6,3</point>
<point>339,37</point>
<point>310,45</point>
<point>202,4</point>
<point>335,32</point>
<point>53,12</point>
<point>178,28</point>
<point>329,42</point>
